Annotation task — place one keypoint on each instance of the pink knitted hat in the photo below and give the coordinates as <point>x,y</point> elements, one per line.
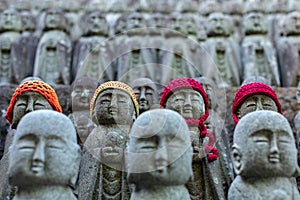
<point>250,89</point>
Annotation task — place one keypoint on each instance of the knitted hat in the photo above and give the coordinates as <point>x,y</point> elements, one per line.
<point>33,86</point>
<point>186,83</point>
<point>115,85</point>
<point>250,89</point>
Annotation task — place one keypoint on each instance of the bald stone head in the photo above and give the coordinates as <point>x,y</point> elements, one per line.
<point>146,93</point>
<point>159,151</point>
<point>44,151</point>
<point>264,146</point>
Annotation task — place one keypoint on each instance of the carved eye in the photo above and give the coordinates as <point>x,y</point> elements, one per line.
<point>261,140</point>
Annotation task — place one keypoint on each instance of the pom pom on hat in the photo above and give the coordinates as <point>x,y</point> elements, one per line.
<point>115,85</point>
<point>250,89</point>
<point>33,86</point>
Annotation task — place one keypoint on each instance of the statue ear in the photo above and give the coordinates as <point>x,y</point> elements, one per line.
<point>237,159</point>
<point>238,114</point>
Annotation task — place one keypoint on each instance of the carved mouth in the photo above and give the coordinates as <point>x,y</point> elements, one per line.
<point>274,158</point>
<point>37,167</point>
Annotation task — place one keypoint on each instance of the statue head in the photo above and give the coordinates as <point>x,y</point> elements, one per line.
<point>176,23</point>
<point>298,93</point>
<point>28,21</point>
<point>114,102</point>
<point>292,21</point>
<point>55,20</point>
<point>135,20</point>
<point>146,93</point>
<point>82,92</point>
<point>255,23</point>
<point>210,6</point>
<point>210,89</point>
<point>95,24</point>
<point>83,124</point>
<point>253,97</point>
<point>219,24</point>
<point>10,20</point>
<point>29,96</point>
<point>264,146</point>
<point>44,151</point>
<point>159,150</point>
<point>187,97</point>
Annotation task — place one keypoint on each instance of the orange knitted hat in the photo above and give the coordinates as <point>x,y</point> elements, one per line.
<point>115,85</point>
<point>33,86</point>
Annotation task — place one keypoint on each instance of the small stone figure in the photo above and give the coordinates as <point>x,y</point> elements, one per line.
<point>29,96</point>
<point>159,156</point>
<point>225,67</point>
<point>264,157</point>
<point>146,93</point>
<point>82,92</point>
<point>53,55</point>
<point>288,48</point>
<point>187,97</point>
<point>93,55</point>
<point>114,109</point>
<point>10,32</point>
<point>253,97</point>
<point>44,157</point>
<point>258,53</point>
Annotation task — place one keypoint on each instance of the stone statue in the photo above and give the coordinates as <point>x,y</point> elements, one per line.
<point>210,6</point>
<point>53,55</point>
<point>113,109</point>
<point>146,93</point>
<point>10,32</point>
<point>288,49</point>
<point>131,64</point>
<point>224,68</point>
<point>264,157</point>
<point>177,59</point>
<point>82,92</point>
<point>297,116</point>
<point>159,156</point>
<point>29,96</point>
<point>93,54</point>
<point>252,79</point>
<point>25,49</point>
<point>253,97</point>
<point>187,97</point>
<point>258,53</point>
<point>44,157</point>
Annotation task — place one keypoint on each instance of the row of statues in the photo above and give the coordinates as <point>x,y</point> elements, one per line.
<point>143,146</point>
<point>159,46</point>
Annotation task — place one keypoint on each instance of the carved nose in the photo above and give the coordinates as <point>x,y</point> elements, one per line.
<point>39,153</point>
<point>29,107</point>
<point>114,101</point>
<point>187,101</point>
<point>161,157</point>
<point>273,145</point>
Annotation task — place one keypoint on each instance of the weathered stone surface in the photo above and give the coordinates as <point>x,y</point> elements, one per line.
<point>264,157</point>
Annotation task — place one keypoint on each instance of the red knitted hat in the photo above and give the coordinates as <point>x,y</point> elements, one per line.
<point>33,86</point>
<point>251,89</point>
<point>184,83</point>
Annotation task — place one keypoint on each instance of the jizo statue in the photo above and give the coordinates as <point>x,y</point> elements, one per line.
<point>44,157</point>
<point>159,156</point>
<point>146,93</point>
<point>264,157</point>
<point>113,108</point>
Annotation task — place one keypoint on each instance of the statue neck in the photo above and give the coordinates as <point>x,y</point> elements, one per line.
<point>161,193</point>
<point>45,192</point>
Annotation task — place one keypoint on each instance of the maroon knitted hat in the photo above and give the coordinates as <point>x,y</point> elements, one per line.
<point>251,89</point>
<point>184,83</point>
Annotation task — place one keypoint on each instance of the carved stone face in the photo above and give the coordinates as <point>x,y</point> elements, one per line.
<point>218,25</point>
<point>28,102</point>
<point>293,23</point>
<point>97,24</point>
<point>114,106</point>
<point>84,126</point>
<point>82,94</point>
<point>135,20</point>
<point>255,103</point>
<point>10,20</point>
<point>187,102</point>
<point>159,150</point>
<point>264,146</point>
<point>255,23</point>
<point>53,19</point>
<point>145,92</point>
<point>44,151</point>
